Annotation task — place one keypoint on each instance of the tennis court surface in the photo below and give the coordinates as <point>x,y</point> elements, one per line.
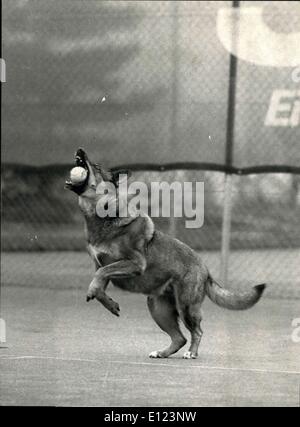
<point>61,350</point>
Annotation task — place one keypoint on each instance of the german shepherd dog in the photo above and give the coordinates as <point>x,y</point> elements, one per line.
<point>134,256</point>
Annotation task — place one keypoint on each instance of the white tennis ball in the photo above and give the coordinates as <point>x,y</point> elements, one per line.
<point>78,175</point>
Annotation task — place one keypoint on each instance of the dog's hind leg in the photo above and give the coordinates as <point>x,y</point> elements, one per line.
<point>163,311</point>
<point>189,298</point>
<point>192,319</point>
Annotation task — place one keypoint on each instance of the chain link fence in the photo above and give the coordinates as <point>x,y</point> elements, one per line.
<point>39,215</point>
<point>137,82</point>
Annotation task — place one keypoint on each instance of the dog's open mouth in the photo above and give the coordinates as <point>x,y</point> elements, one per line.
<point>80,161</point>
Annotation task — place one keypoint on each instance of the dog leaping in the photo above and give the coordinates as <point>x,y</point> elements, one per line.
<point>136,257</point>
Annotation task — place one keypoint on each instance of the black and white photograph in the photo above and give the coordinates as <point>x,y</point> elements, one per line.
<point>150,206</point>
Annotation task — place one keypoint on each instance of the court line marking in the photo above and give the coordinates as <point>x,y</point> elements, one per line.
<point>13,357</point>
<point>219,368</point>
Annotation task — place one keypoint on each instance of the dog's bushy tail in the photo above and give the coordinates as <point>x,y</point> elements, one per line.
<point>233,300</point>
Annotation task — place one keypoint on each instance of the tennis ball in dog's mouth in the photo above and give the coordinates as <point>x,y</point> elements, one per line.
<point>78,175</point>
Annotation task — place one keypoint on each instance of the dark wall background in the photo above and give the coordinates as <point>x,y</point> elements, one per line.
<point>135,82</point>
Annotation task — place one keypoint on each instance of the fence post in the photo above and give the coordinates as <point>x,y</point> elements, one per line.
<point>174,100</point>
<point>2,331</point>
<point>226,227</point>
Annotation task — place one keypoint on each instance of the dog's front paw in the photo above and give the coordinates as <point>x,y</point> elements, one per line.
<point>90,296</point>
<point>190,355</point>
<point>156,355</point>
<point>114,308</point>
<point>92,292</point>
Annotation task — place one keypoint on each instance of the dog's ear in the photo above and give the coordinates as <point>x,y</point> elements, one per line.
<point>117,175</point>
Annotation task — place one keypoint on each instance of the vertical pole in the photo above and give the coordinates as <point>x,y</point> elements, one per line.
<point>226,229</point>
<point>174,102</point>
<point>3,79</point>
<point>226,226</point>
<point>2,332</point>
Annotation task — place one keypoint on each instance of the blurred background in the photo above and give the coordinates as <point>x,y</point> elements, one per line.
<point>146,85</point>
